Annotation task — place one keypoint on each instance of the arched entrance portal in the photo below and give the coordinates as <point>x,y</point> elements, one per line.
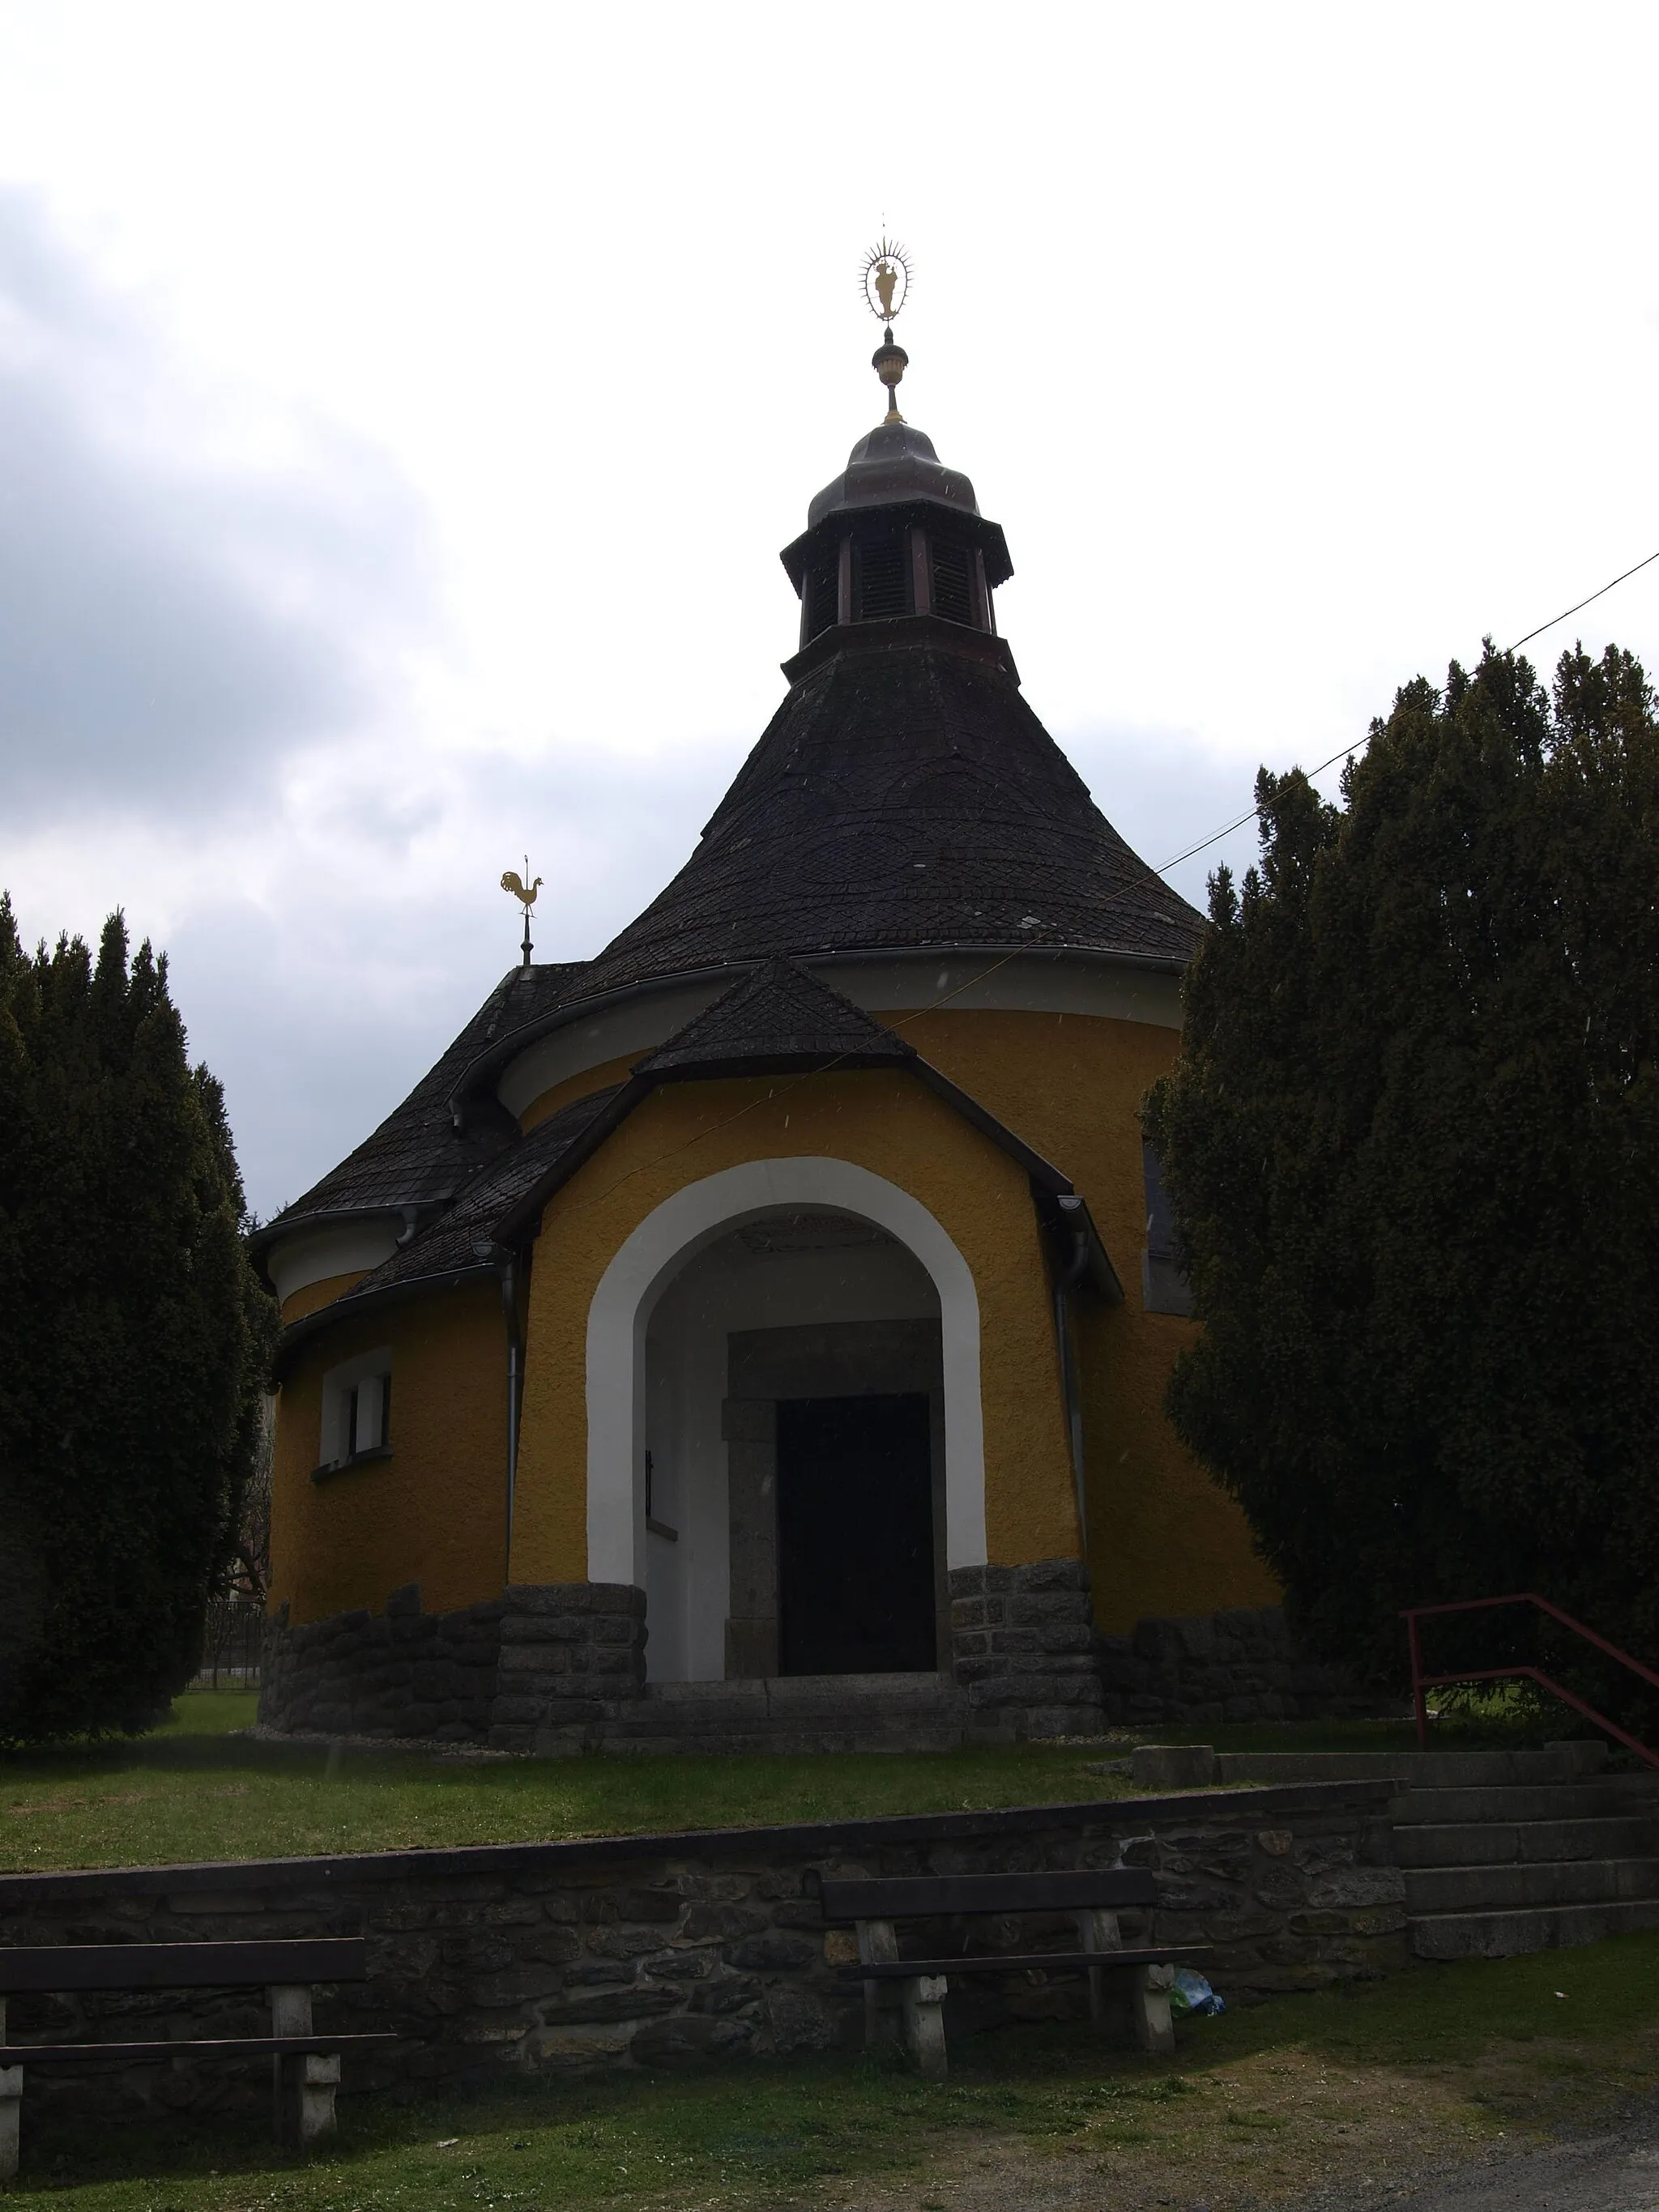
<point>785,1447</point>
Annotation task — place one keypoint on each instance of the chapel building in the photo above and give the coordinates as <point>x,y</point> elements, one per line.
<point>759,1333</point>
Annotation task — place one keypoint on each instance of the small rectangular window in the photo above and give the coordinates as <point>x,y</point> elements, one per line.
<point>1164,1287</point>
<point>357,1411</point>
<point>366,1416</point>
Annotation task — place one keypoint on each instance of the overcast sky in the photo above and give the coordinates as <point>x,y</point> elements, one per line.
<point>402,408</point>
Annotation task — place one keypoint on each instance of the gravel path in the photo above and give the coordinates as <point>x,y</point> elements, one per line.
<point>1617,2173</point>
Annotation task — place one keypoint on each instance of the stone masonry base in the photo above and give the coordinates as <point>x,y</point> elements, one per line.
<point>402,1673</point>
<point>559,1668</point>
<point>1022,1643</point>
<point>1209,1668</point>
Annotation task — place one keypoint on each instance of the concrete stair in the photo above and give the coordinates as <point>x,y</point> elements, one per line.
<point>793,1713</point>
<point>1502,1851</point>
<point>1525,1850</point>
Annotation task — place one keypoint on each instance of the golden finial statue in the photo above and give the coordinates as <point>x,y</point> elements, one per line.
<point>886,277</point>
<point>526,894</point>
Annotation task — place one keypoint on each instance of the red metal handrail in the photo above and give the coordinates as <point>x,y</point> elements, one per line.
<point>1420,1681</point>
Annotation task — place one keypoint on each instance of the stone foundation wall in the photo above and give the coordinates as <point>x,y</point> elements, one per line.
<point>560,1668</point>
<point>568,1651</point>
<point>1023,1648</point>
<point>402,1673</point>
<point>559,1958</point>
<point>1240,1665</point>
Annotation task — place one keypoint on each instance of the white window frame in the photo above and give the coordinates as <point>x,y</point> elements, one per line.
<point>342,1390</point>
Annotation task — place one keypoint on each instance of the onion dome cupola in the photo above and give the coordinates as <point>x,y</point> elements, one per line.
<point>896,536</point>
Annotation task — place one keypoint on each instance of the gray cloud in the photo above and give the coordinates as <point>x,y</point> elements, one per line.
<point>172,622</point>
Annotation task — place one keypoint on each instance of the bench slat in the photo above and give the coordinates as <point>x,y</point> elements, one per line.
<point>230,2046</point>
<point>893,1970</point>
<point>59,1967</point>
<point>909,1897</point>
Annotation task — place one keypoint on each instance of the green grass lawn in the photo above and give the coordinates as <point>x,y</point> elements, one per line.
<point>196,1788</point>
<point>196,1791</point>
<point>1377,2083</point>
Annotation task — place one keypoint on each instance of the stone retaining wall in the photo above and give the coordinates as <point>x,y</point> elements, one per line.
<point>559,1958</point>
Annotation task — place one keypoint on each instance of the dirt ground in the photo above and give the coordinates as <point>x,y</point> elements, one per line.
<point>1534,2129</point>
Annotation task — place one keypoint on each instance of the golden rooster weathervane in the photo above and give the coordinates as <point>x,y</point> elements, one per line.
<point>526,894</point>
<point>885,276</point>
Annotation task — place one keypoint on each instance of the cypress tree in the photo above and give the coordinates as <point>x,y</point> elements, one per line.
<point>1413,1147</point>
<point>132,1338</point>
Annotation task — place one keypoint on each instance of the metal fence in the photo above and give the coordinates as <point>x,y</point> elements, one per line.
<point>230,1649</point>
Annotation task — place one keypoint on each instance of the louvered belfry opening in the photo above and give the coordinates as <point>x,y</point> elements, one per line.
<point>880,585</point>
<point>953,582</point>
<point>820,594</point>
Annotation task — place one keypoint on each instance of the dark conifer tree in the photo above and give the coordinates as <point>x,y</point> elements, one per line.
<point>1413,1147</point>
<point>132,1339</point>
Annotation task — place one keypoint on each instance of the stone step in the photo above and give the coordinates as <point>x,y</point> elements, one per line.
<point>1515,1887</point>
<point>1508,1934</point>
<point>1493,1843</point>
<point>1481,1843</point>
<point>793,1713</point>
<point>789,1742</point>
<point>801,1692</point>
<point>1554,1762</point>
<point>1604,1796</point>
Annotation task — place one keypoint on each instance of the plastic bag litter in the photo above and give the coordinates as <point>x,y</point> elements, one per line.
<point>1190,1992</point>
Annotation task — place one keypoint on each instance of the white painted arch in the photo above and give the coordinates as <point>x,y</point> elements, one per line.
<point>667,1240</point>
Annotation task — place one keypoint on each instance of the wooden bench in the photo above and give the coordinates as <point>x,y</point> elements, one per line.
<point>1092,1900</point>
<point>305,2066</point>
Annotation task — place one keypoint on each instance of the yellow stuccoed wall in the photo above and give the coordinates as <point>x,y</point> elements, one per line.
<point>434,1511</point>
<point>884,1120</point>
<point>1164,1538</point>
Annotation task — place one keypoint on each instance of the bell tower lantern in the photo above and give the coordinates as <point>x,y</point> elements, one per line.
<point>897,537</point>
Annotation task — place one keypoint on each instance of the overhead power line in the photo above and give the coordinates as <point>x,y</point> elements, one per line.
<point>1216,835</point>
<point>1553,619</point>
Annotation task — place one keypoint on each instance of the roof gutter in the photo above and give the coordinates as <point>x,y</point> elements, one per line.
<point>1068,1278</point>
<point>299,1333</point>
<point>495,1057</point>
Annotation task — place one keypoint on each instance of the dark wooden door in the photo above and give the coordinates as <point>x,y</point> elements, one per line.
<point>856,1536</point>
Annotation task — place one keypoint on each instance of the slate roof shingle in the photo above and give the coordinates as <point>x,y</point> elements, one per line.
<point>418,1157</point>
<point>904,794</point>
<point>779,1016</point>
<point>447,1246</point>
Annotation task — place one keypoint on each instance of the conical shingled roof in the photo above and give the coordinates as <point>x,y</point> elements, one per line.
<point>780,1017</point>
<point>419,1157</point>
<point>904,794</point>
